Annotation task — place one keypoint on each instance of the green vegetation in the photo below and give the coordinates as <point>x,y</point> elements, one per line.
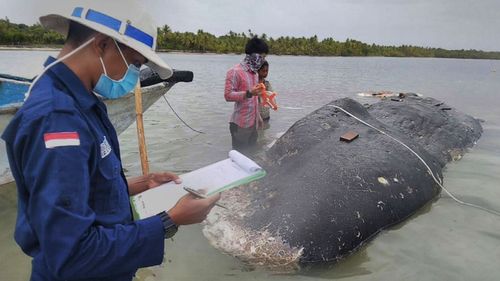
<point>21,35</point>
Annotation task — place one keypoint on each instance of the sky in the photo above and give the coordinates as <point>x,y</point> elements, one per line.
<point>449,24</point>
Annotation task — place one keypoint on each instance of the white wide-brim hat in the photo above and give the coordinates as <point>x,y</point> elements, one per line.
<point>124,20</point>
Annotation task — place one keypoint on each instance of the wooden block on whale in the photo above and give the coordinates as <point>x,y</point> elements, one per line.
<point>349,136</point>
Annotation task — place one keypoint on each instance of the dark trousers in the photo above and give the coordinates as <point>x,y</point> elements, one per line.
<point>243,138</point>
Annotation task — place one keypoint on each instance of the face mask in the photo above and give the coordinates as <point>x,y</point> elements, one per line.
<point>113,89</point>
<point>254,61</point>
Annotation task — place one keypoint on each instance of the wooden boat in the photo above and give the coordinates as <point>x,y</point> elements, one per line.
<point>121,111</point>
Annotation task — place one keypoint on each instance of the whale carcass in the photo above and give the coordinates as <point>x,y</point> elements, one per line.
<point>324,198</point>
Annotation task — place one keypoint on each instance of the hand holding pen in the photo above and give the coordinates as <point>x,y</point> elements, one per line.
<point>201,195</point>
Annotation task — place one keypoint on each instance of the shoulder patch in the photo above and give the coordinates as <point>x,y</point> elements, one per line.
<point>105,148</point>
<point>60,139</point>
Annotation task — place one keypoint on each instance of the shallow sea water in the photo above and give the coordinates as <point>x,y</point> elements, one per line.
<point>444,241</point>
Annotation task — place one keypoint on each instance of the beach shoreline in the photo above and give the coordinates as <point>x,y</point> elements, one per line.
<point>165,51</point>
<point>58,48</point>
<point>28,48</point>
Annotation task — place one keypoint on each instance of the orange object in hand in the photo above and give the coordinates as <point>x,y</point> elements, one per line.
<point>268,98</point>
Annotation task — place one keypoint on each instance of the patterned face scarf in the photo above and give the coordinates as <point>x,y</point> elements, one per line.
<point>254,61</point>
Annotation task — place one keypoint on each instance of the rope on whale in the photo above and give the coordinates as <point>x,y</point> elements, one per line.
<point>494,212</point>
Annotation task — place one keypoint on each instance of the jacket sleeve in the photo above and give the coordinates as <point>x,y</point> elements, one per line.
<point>231,89</point>
<point>58,182</point>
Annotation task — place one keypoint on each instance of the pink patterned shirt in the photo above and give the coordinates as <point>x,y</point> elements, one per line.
<point>239,79</point>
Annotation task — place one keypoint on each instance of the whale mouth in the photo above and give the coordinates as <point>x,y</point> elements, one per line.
<point>225,230</point>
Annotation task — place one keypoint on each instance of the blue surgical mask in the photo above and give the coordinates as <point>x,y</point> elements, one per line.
<point>113,89</point>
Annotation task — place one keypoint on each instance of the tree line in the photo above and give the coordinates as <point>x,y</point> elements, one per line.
<point>12,34</point>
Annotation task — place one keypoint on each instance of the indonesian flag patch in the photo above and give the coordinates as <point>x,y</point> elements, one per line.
<point>53,140</point>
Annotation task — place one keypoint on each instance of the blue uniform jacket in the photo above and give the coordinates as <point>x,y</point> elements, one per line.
<point>74,215</point>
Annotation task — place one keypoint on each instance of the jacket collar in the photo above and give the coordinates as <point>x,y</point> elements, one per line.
<point>75,86</point>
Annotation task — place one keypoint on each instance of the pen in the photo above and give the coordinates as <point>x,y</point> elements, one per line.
<point>201,195</point>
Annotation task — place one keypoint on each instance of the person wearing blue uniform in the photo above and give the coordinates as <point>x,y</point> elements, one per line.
<point>74,216</point>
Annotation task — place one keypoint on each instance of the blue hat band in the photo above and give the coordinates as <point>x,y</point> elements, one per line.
<point>115,24</point>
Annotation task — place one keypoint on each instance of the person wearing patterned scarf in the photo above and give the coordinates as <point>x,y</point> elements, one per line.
<point>254,61</point>
<point>242,87</point>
